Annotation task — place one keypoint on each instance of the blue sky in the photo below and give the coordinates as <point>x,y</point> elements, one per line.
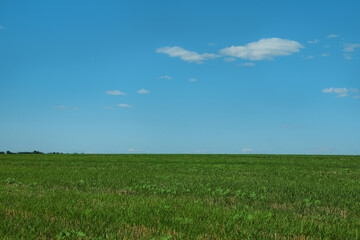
<point>180,76</point>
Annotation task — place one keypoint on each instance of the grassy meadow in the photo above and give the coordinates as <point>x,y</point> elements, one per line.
<point>78,196</point>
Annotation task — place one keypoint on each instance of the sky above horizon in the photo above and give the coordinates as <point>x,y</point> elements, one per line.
<point>259,77</point>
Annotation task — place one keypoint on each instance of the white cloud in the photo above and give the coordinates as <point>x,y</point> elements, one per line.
<point>165,77</point>
<point>248,64</point>
<point>134,150</point>
<point>125,105</point>
<point>143,91</point>
<point>325,54</point>
<point>192,80</point>
<point>76,108</point>
<point>350,47</point>
<point>247,150</point>
<point>313,42</point>
<point>264,49</point>
<point>357,97</point>
<point>332,36</point>
<point>229,59</point>
<point>61,107</point>
<point>341,92</point>
<point>115,92</point>
<point>186,55</point>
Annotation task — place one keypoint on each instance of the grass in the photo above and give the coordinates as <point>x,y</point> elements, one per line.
<point>179,197</point>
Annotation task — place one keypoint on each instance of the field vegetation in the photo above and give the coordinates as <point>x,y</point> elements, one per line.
<point>68,196</point>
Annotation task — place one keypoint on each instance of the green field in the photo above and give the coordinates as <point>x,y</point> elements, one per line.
<point>76,196</point>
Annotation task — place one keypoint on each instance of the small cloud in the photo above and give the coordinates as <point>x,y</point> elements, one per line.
<point>326,46</point>
<point>249,64</point>
<point>165,77</point>
<point>229,59</point>
<point>188,56</point>
<point>309,57</point>
<point>115,92</point>
<point>192,80</point>
<point>357,97</point>
<point>143,91</point>
<point>133,150</point>
<point>343,95</point>
<point>264,49</point>
<point>75,108</point>
<point>247,150</point>
<point>332,36</point>
<point>325,54</point>
<point>321,150</point>
<point>123,105</point>
<point>201,151</point>
<point>349,49</point>
<point>341,92</point>
<point>284,126</point>
<point>61,107</point>
<point>108,107</point>
<point>2,27</point>
<point>313,42</point>
<point>211,44</point>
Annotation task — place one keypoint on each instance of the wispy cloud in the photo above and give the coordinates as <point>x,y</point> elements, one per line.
<point>248,64</point>
<point>357,97</point>
<point>188,56</point>
<point>229,59</point>
<point>115,92</point>
<point>165,77</point>
<point>192,80</point>
<point>309,57</point>
<point>332,36</point>
<point>340,92</point>
<point>108,107</point>
<point>211,44</point>
<point>314,41</point>
<point>247,150</point>
<point>123,105</point>
<point>1,27</point>
<point>264,49</point>
<point>143,91</point>
<point>325,54</point>
<point>133,150</point>
<point>349,49</point>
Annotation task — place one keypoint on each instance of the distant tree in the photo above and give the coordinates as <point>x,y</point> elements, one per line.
<point>2,152</point>
<point>8,152</point>
<point>37,152</point>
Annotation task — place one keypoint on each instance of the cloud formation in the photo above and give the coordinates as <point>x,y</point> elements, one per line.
<point>229,59</point>
<point>115,92</point>
<point>247,150</point>
<point>313,42</point>
<point>341,92</point>
<point>143,91</point>
<point>123,105</point>
<point>165,77</point>
<point>248,64</point>
<point>264,49</point>
<point>349,49</point>
<point>332,36</point>
<point>192,80</point>
<point>188,56</point>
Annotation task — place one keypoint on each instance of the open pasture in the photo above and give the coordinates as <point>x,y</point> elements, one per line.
<point>78,196</point>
